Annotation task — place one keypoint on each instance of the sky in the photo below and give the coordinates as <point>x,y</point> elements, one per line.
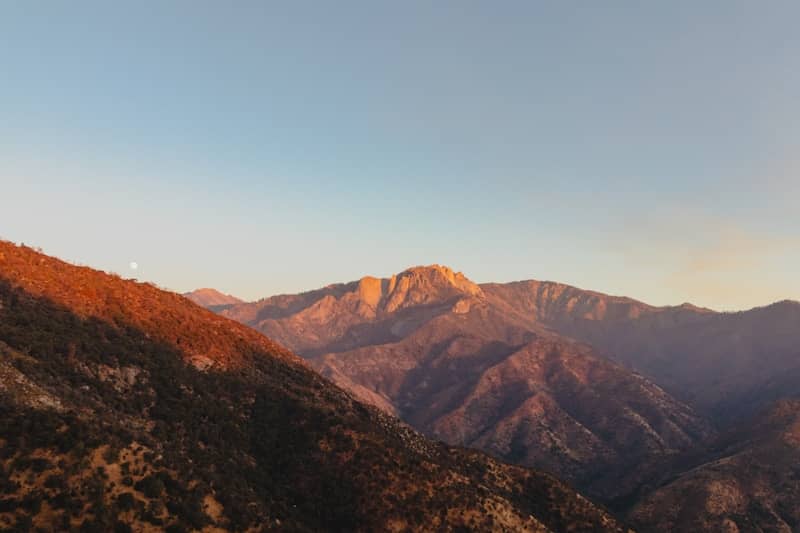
<point>636,148</point>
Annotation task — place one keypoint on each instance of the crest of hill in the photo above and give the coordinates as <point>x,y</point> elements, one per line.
<point>204,338</point>
<point>550,302</point>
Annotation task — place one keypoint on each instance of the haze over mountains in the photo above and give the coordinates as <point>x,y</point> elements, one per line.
<point>556,377</point>
<point>725,364</point>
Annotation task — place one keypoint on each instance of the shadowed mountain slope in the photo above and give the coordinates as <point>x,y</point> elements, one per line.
<point>123,407</point>
<point>748,480</point>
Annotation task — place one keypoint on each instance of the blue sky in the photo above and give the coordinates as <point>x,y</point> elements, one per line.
<point>649,150</point>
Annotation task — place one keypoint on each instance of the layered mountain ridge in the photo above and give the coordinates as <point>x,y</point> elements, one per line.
<point>726,365</point>
<point>546,374</point>
<point>462,365</point>
<point>311,322</point>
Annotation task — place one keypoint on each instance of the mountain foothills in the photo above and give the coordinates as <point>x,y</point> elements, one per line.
<point>127,408</point>
<point>620,398</point>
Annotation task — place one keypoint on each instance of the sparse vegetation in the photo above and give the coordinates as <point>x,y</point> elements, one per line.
<point>259,441</point>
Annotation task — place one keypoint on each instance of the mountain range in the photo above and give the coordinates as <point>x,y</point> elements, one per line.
<point>443,354</point>
<point>726,365</point>
<point>611,394</point>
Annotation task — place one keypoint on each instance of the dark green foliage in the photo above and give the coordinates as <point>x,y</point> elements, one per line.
<point>24,523</point>
<point>94,526</point>
<point>8,504</point>
<point>55,481</point>
<point>111,454</point>
<point>150,486</point>
<point>125,501</point>
<point>31,503</point>
<point>122,527</point>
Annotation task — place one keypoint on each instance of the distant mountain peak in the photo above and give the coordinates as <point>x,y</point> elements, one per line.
<point>437,273</point>
<point>785,304</point>
<point>421,285</point>
<point>208,297</point>
<point>688,306</point>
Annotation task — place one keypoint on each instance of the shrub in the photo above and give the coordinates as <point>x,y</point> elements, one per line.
<point>150,486</point>
<point>126,501</point>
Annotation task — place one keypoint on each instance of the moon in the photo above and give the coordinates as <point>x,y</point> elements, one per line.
<point>134,265</point>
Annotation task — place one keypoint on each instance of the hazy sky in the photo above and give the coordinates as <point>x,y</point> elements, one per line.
<point>638,148</point>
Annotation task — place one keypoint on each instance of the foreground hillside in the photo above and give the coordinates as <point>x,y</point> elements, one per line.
<point>431,347</point>
<point>126,408</point>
